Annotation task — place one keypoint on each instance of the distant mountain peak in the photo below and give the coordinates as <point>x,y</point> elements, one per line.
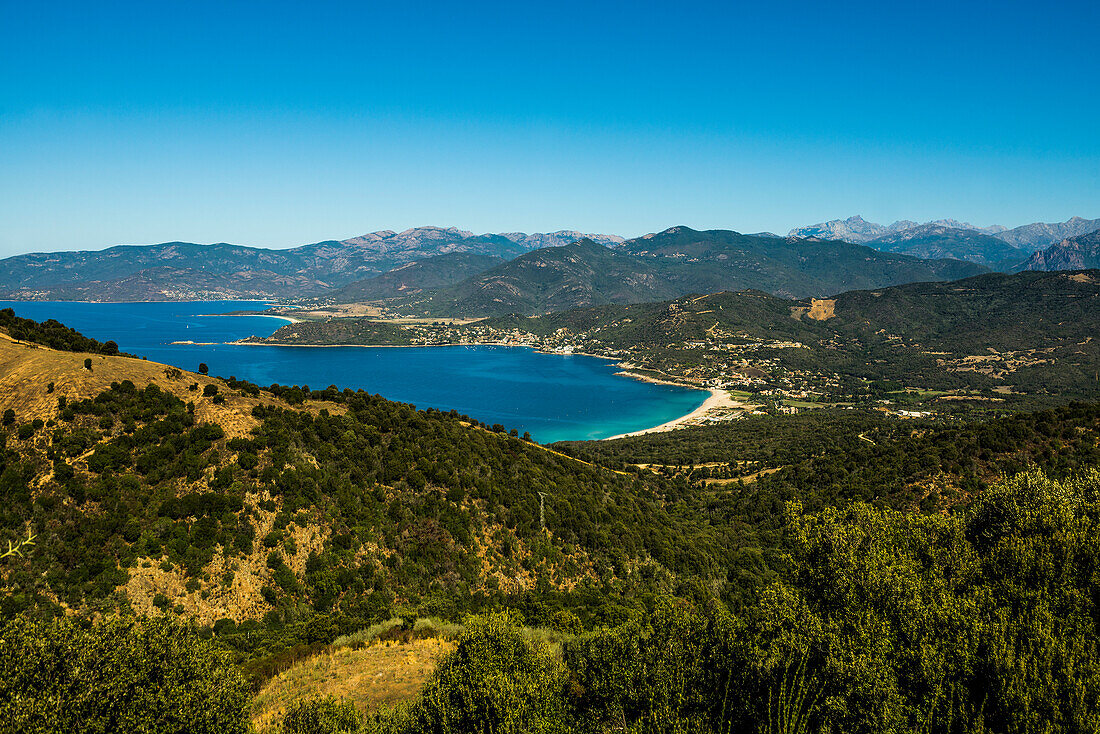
<point>853,229</point>
<point>1073,253</point>
<point>539,240</point>
<point>411,235</point>
<point>1029,237</point>
<point>1036,236</point>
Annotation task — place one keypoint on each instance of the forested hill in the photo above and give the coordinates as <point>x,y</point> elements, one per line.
<point>673,263</point>
<point>153,489</point>
<point>416,277</point>
<point>717,260</point>
<point>551,279</point>
<point>1029,332</point>
<point>887,578</point>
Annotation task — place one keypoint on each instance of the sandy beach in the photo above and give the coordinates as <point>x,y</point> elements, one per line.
<point>278,316</point>
<point>718,400</point>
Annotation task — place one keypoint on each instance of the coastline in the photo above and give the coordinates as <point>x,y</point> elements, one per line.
<point>718,400</point>
<point>243,343</point>
<point>287,319</point>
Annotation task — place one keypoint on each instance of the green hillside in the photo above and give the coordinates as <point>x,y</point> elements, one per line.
<point>414,278</point>
<point>686,587</point>
<point>673,263</point>
<point>721,260</point>
<point>994,342</point>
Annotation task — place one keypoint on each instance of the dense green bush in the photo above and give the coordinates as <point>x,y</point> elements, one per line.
<point>117,676</point>
<point>327,715</point>
<point>496,680</point>
<point>884,621</point>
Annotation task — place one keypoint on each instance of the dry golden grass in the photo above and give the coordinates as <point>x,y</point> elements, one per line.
<point>381,674</point>
<point>26,369</point>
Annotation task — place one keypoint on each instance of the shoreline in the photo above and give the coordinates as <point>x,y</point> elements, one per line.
<point>243,343</point>
<point>287,319</point>
<point>644,378</point>
<point>718,400</point>
<point>657,380</point>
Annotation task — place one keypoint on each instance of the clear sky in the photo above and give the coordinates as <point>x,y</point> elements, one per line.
<point>281,123</point>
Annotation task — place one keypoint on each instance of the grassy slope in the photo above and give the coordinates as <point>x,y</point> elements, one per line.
<point>417,500</point>
<point>383,673</point>
<point>26,369</point>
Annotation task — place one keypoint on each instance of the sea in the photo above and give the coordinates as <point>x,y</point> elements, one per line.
<point>554,397</point>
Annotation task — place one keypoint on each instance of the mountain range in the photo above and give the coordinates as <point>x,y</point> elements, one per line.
<point>529,273</point>
<point>416,277</point>
<point>942,241</point>
<point>670,264</point>
<point>1073,253</point>
<point>187,271</point>
<point>1027,237</point>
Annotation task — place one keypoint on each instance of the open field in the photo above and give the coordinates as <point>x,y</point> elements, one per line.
<point>383,673</point>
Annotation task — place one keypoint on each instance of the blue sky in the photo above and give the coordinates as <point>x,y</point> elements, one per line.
<point>278,124</point>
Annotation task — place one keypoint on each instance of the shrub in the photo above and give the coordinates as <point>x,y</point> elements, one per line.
<point>210,391</point>
<point>9,417</point>
<point>328,715</point>
<point>369,634</point>
<point>121,675</point>
<point>495,680</point>
<point>88,363</point>
<point>203,369</point>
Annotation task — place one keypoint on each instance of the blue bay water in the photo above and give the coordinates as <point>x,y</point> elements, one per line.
<point>554,397</point>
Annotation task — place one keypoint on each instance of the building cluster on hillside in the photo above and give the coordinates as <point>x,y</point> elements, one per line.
<point>719,361</point>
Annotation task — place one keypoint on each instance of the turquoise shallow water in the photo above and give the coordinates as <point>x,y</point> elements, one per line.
<point>554,397</point>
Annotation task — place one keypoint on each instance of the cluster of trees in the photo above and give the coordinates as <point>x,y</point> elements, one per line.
<point>130,475</point>
<point>833,456</point>
<point>52,334</point>
<point>884,621</point>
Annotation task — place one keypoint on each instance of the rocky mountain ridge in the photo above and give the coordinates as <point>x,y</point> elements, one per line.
<point>1073,253</point>
<point>942,241</point>
<point>1028,237</point>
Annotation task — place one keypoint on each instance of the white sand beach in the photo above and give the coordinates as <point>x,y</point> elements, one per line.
<point>719,400</point>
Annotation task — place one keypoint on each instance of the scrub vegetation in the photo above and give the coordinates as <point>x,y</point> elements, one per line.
<point>210,555</point>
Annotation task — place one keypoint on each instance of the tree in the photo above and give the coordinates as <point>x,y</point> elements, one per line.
<point>88,363</point>
<point>121,675</point>
<point>496,680</point>
<point>203,369</point>
<point>9,417</point>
